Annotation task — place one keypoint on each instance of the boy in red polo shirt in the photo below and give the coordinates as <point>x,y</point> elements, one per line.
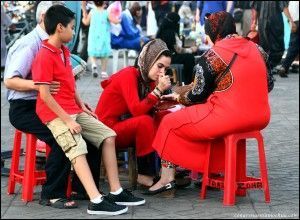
<point>68,119</point>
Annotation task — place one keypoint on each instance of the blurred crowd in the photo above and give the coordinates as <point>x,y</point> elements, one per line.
<point>132,24</point>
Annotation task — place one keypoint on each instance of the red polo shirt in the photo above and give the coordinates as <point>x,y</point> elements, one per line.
<point>48,66</point>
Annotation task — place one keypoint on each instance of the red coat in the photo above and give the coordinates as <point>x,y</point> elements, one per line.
<point>183,136</point>
<point>120,97</point>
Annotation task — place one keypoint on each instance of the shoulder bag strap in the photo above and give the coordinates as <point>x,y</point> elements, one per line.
<point>226,70</point>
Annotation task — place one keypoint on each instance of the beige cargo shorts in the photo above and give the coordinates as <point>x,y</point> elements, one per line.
<point>73,144</point>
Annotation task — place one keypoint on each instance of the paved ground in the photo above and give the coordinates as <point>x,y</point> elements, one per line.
<point>282,152</point>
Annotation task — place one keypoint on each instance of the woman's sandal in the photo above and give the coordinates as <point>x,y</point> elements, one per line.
<point>166,191</point>
<point>60,203</point>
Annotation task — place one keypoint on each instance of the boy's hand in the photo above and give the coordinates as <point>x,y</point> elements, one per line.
<point>88,110</point>
<point>87,106</point>
<point>54,87</point>
<point>74,127</point>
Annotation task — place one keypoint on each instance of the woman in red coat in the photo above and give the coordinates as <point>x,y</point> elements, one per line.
<point>127,102</point>
<point>218,105</point>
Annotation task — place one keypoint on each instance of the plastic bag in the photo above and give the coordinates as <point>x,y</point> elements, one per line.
<point>115,9</point>
<point>78,66</point>
<point>151,21</point>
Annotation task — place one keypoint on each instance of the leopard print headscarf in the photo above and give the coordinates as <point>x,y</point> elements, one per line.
<point>148,56</point>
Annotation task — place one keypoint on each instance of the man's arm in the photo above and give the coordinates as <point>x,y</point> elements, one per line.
<point>253,19</point>
<point>289,17</point>
<point>19,84</point>
<point>57,109</point>
<point>25,85</point>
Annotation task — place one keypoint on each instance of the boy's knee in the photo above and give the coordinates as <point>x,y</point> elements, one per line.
<point>110,140</point>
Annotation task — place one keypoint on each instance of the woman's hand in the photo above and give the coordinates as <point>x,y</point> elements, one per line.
<point>54,87</point>
<point>164,83</point>
<point>74,127</point>
<point>173,96</point>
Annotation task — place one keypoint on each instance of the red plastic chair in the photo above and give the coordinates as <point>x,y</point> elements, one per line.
<point>29,177</point>
<point>235,180</point>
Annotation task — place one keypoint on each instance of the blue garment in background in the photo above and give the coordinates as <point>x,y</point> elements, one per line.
<point>99,34</point>
<point>74,6</point>
<point>210,7</point>
<point>130,36</point>
<point>287,31</point>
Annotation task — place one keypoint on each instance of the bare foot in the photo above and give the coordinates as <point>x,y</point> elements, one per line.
<point>145,180</point>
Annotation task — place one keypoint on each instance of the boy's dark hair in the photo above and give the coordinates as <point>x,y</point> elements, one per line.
<point>57,14</point>
<point>99,3</point>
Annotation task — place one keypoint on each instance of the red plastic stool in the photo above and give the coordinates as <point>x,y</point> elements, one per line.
<point>29,177</point>
<point>235,180</point>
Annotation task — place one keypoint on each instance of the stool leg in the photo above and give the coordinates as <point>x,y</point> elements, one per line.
<point>263,168</point>
<point>14,168</point>
<point>205,174</point>
<point>29,169</point>
<point>241,172</point>
<point>230,172</point>
<point>132,168</point>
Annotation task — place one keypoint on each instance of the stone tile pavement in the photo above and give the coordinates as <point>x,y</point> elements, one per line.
<point>282,151</point>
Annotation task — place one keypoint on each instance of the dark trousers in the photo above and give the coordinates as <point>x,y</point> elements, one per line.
<point>293,50</point>
<point>271,38</point>
<point>23,117</point>
<point>188,61</point>
<point>147,165</point>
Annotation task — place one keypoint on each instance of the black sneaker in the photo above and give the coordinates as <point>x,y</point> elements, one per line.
<point>106,207</point>
<point>125,198</point>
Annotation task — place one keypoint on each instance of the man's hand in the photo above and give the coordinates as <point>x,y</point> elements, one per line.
<point>54,87</point>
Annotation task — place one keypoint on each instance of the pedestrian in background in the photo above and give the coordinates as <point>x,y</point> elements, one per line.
<point>266,14</point>
<point>99,35</point>
<point>293,50</point>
